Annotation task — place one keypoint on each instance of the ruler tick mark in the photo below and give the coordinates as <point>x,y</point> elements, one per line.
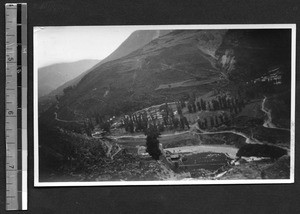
<point>16,32</point>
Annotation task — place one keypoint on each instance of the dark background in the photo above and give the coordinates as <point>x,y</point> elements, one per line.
<point>150,199</point>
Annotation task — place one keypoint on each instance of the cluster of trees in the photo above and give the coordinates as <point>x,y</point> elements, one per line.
<point>164,118</point>
<point>193,106</point>
<point>136,123</point>
<point>100,121</point>
<point>66,150</point>
<point>141,122</point>
<point>220,103</point>
<point>235,106</point>
<point>213,121</point>
<point>103,122</point>
<point>169,119</point>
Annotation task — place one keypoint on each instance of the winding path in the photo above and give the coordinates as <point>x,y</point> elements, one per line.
<point>65,121</point>
<point>142,136</point>
<point>249,140</point>
<point>268,122</point>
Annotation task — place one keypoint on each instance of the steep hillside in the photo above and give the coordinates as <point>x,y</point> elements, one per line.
<point>72,82</point>
<point>135,41</point>
<point>213,104</point>
<point>176,65</point>
<point>248,54</point>
<point>53,76</point>
<point>129,82</point>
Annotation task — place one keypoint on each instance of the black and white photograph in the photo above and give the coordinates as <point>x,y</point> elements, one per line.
<point>164,104</point>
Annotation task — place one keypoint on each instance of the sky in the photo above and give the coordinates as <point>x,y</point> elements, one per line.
<point>72,43</point>
<point>68,44</point>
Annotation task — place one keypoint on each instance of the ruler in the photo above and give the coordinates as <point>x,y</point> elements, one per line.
<point>16,106</point>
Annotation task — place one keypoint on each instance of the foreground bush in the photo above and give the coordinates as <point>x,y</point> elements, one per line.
<point>152,142</point>
<point>68,151</point>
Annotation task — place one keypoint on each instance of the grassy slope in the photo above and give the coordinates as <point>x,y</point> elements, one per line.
<point>133,79</point>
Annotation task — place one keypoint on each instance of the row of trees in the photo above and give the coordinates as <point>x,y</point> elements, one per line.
<point>220,103</point>
<point>168,121</point>
<point>213,121</point>
<point>217,120</point>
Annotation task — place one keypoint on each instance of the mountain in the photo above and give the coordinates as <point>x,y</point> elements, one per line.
<point>136,40</point>
<point>173,67</point>
<point>72,82</point>
<point>248,54</point>
<point>241,78</point>
<point>53,76</point>
<point>178,60</point>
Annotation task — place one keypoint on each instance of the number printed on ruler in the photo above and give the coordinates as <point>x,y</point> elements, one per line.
<point>16,162</point>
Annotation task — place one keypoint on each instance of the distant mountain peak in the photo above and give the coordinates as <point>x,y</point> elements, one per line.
<point>52,76</point>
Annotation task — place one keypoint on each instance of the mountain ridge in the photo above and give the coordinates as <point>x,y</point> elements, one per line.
<point>141,71</point>
<point>179,64</point>
<point>53,76</point>
<point>126,47</point>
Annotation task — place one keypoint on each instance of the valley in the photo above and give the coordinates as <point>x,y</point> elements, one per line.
<point>187,104</point>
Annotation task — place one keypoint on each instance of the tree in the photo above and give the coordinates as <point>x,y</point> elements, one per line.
<point>229,103</point>
<point>181,122</point>
<point>226,119</point>
<point>68,90</point>
<point>175,122</point>
<point>212,124</point>
<point>209,106</point>
<point>186,122</point>
<point>205,122</point>
<point>220,102</point>
<point>224,102</point>
<point>182,102</point>
<point>217,122</point>
<point>152,142</point>
<point>190,108</point>
<point>179,110</point>
<point>199,106</point>
<point>200,124</point>
<point>221,118</point>
<point>194,107</point>
<point>236,110</point>
<point>131,126</point>
<point>203,104</point>
<point>161,127</point>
